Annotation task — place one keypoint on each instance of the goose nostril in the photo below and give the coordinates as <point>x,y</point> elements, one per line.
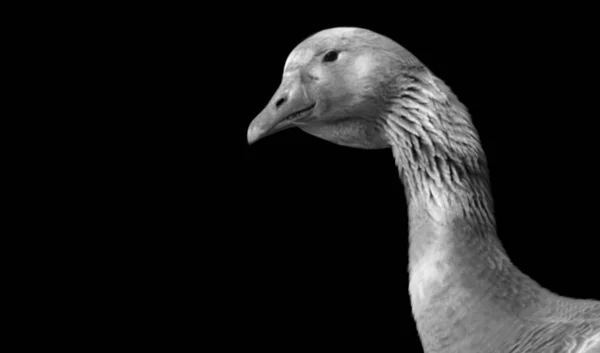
<point>279,102</point>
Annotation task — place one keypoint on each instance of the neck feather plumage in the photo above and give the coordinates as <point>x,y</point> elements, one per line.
<point>455,261</point>
<point>440,160</point>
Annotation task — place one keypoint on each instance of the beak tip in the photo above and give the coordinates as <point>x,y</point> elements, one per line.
<point>253,134</point>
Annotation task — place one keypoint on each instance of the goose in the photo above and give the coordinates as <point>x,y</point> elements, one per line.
<point>357,88</point>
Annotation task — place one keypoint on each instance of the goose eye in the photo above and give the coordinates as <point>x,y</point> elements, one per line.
<point>331,56</point>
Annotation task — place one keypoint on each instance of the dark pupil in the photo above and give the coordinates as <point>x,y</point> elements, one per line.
<point>331,56</point>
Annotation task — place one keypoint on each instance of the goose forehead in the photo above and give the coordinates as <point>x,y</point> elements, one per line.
<point>341,31</point>
<point>298,57</point>
<point>341,35</point>
<point>321,41</point>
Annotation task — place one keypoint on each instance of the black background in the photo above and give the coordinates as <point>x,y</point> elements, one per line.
<point>296,243</point>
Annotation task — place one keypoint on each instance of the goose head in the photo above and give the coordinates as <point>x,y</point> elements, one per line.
<point>336,84</point>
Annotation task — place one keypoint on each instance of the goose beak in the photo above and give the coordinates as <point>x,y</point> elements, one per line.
<point>289,104</point>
